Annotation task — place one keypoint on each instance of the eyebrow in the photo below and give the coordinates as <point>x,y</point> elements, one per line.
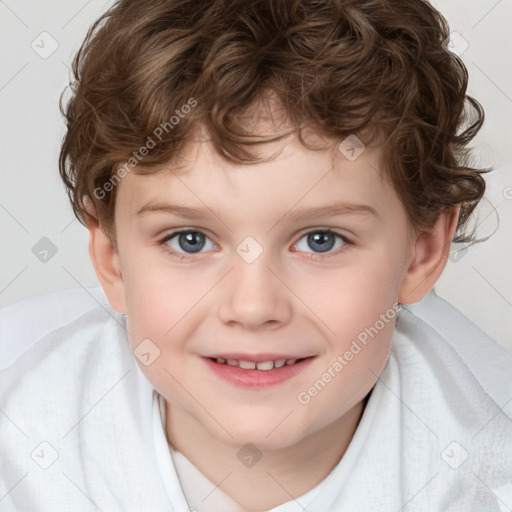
<point>297,214</point>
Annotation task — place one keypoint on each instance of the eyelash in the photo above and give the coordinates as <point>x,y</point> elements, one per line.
<point>313,256</point>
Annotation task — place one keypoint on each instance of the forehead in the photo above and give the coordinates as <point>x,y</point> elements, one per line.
<point>292,176</point>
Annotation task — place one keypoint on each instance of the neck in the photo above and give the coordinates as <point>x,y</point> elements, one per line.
<point>279,476</point>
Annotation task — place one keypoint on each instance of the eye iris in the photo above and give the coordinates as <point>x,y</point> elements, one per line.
<point>324,240</point>
<point>191,238</point>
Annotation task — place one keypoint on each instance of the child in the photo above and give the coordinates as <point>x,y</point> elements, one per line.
<point>291,357</point>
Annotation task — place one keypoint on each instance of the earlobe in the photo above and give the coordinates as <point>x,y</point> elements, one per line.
<point>105,258</point>
<point>429,257</point>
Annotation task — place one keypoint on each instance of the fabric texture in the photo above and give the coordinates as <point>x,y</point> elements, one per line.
<point>80,426</point>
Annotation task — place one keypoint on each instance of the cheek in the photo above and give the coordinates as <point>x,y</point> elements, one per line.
<point>351,298</point>
<point>157,293</point>
<point>158,324</point>
<point>164,306</point>
<point>357,307</point>
<point>358,355</point>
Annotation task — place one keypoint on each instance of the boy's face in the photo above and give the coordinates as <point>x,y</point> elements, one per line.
<point>258,285</point>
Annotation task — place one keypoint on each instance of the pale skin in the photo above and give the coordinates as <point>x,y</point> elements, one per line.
<point>284,301</point>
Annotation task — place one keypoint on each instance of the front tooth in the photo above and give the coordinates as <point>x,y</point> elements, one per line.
<point>247,365</point>
<point>279,363</point>
<point>232,362</point>
<point>291,361</point>
<point>267,365</point>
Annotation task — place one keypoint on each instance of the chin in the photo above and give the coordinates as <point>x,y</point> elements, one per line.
<point>265,433</point>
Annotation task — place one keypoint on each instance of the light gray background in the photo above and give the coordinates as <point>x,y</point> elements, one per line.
<point>33,204</point>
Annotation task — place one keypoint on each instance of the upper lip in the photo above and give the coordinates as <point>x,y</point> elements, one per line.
<point>256,358</point>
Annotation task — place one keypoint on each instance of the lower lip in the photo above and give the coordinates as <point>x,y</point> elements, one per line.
<point>257,378</point>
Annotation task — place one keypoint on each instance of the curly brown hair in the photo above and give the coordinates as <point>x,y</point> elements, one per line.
<point>378,67</point>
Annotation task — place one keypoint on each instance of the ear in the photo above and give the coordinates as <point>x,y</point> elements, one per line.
<point>429,256</point>
<point>105,258</point>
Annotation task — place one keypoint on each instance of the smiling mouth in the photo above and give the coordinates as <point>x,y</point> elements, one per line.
<point>268,371</point>
<point>263,365</point>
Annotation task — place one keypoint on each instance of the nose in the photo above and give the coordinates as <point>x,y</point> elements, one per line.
<point>254,295</point>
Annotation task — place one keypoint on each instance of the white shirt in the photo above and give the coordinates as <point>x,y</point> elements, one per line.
<point>80,426</point>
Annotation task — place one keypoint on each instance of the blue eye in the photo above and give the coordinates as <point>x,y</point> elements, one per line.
<point>189,241</point>
<point>322,240</point>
